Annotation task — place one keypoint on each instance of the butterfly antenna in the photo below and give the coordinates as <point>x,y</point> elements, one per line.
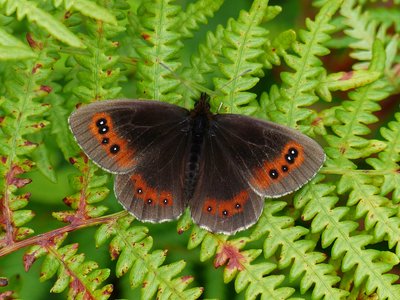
<point>219,91</point>
<point>233,79</point>
<point>188,83</point>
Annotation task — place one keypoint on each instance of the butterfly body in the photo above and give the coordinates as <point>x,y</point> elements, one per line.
<point>167,158</point>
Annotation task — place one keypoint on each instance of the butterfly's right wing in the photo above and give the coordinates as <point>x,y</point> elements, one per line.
<point>154,191</point>
<point>117,134</point>
<point>152,140</point>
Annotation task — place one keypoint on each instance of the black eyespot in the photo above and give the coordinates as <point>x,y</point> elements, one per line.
<point>289,158</point>
<point>101,122</point>
<point>237,205</point>
<point>209,208</point>
<point>105,141</point>
<point>149,201</point>
<point>104,129</point>
<point>225,212</point>
<point>165,201</point>
<point>114,149</point>
<point>285,168</point>
<point>293,152</point>
<point>273,174</point>
<point>139,191</point>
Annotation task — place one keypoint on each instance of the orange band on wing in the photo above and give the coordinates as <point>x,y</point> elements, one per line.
<point>148,195</point>
<point>102,128</point>
<point>291,157</point>
<point>226,208</point>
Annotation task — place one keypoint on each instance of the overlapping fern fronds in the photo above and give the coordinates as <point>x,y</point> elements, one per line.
<point>337,238</point>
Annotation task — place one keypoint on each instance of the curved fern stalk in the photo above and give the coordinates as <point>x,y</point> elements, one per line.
<point>25,89</point>
<point>157,40</point>
<point>34,14</point>
<point>367,268</point>
<point>242,42</point>
<point>298,88</point>
<point>131,246</point>
<point>296,253</point>
<point>82,277</point>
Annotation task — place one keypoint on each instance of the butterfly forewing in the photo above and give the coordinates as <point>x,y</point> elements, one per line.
<point>275,160</point>
<point>151,139</point>
<point>117,134</point>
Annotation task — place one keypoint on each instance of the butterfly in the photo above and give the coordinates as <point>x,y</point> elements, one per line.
<point>167,158</point>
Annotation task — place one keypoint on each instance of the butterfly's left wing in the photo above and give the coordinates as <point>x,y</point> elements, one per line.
<point>244,160</point>
<point>274,159</point>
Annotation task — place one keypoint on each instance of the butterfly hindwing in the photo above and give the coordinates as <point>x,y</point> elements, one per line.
<point>154,191</point>
<point>223,201</point>
<point>117,134</point>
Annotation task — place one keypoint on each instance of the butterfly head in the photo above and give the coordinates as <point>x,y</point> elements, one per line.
<point>202,106</point>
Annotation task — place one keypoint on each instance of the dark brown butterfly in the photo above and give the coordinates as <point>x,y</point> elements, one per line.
<point>168,158</point>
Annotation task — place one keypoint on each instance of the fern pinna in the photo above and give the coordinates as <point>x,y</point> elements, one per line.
<point>337,238</point>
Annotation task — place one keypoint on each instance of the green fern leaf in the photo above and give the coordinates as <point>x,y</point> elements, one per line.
<point>29,9</point>
<point>388,160</point>
<point>296,253</point>
<point>298,89</point>
<point>196,13</point>
<point>131,245</point>
<point>318,202</point>
<point>82,277</point>
<point>90,9</point>
<point>157,42</point>
<point>241,47</point>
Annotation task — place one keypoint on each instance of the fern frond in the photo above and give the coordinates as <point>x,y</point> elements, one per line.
<point>354,115</point>
<point>90,190</point>
<point>30,10</point>
<point>242,42</point>
<point>296,253</point>
<point>298,88</point>
<point>195,14</point>
<point>362,29</point>
<point>157,41</point>
<point>24,119</point>
<point>95,75</point>
<point>388,160</point>
<point>318,202</point>
<point>131,245</point>
<point>82,277</point>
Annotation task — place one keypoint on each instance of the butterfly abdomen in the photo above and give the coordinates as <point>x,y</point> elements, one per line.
<point>199,126</point>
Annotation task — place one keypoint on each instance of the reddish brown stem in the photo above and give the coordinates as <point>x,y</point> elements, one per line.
<point>51,234</point>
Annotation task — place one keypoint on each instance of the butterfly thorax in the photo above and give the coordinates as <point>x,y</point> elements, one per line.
<point>200,118</point>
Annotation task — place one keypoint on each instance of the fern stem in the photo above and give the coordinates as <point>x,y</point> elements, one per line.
<point>59,231</point>
<point>338,171</point>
